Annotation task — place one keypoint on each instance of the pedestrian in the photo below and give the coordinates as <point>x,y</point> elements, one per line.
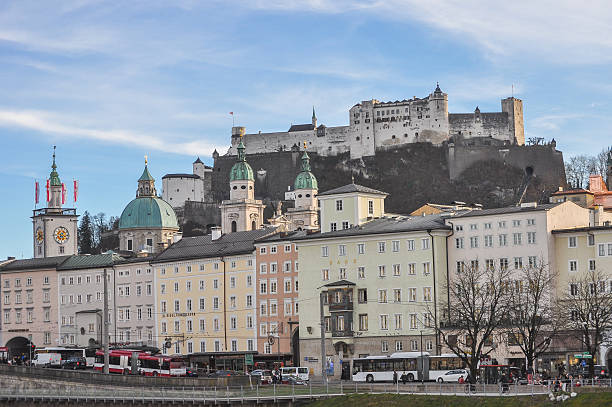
<point>394,377</point>
<point>404,378</point>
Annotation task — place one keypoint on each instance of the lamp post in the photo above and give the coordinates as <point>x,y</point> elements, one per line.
<point>422,361</point>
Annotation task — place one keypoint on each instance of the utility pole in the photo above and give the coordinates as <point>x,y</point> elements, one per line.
<point>323,358</point>
<point>105,323</point>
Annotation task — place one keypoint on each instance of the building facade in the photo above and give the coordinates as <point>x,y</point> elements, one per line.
<point>180,188</point>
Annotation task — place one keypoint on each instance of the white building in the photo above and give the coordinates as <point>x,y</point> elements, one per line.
<point>179,188</point>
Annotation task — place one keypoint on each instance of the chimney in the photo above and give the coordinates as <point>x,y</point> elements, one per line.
<point>215,232</point>
<point>595,215</point>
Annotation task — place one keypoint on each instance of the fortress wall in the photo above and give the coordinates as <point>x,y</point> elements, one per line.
<point>493,125</point>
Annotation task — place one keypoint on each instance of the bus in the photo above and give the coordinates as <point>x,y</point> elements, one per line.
<point>301,373</point>
<point>493,373</point>
<point>120,361</point>
<point>415,365</point>
<point>88,353</point>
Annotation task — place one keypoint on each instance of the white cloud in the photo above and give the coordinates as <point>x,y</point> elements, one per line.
<point>49,123</point>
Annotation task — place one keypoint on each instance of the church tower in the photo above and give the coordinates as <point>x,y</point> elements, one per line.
<point>242,211</point>
<point>304,214</point>
<point>54,227</point>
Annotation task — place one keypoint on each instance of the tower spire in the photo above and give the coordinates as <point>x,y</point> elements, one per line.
<point>314,117</point>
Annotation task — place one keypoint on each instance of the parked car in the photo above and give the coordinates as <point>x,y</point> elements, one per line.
<point>453,376</point>
<point>189,372</point>
<point>295,380</point>
<point>74,363</point>
<point>221,373</point>
<point>265,377</point>
<point>47,360</point>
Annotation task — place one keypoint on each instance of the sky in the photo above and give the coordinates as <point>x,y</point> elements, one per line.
<point>109,82</point>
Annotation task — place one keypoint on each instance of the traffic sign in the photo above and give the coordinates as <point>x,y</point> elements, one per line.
<point>584,355</point>
<point>248,358</point>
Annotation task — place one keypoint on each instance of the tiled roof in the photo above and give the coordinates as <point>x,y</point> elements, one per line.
<point>508,209</point>
<point>203,246</point>
<point>281,237</point>
<point>352,188</point>
<point>32,264</point>
<point>573,191</point>
<point>180,176</point>
<point>396,224</point>
<point>83,261</point>
<point>302,127</point>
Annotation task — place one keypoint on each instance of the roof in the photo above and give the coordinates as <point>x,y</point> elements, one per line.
<point>395,224</point>
<point>302,127</point>
<point>32,264</point>
<point>198,161</point>
<point>583,229</point>
<point>241,170</point>
<point>353,188</point>
<point>204,247</point>
<point>180,176</point>
<point>339,283</point>
<point>281,237</point>
<point>148,212</point>
<point>146,175</point>
<point>508,209</point>
<point>573,192</point>
<point>84,261</point>
<point>305,179</point>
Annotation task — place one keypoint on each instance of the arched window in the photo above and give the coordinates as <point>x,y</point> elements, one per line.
<point>234,226</point>
<point>253,225</point>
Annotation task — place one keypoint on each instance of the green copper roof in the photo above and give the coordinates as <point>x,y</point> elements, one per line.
<point>241,170</point>
<point>305,179</point>
<point>54,179</point>
<point>146,176</point>
<point>148,212</point>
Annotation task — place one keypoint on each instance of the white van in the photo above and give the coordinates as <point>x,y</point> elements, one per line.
<point>301,373</point>
<point>47,360</point>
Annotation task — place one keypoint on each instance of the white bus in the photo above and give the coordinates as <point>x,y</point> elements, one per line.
<point>414,365</point>
<point>88,354</point>
<point>301,373</point>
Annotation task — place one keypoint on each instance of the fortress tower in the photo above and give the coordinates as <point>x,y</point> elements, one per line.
<point>514,108</point>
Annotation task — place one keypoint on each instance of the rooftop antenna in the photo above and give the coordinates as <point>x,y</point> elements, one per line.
<point>512,90</point>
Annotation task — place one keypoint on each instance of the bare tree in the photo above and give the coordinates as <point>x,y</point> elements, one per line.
<point>578,169</point>
<point>531,311</point>
<point>586,309</point>
<point>601,162</point>
<point>476,309</point>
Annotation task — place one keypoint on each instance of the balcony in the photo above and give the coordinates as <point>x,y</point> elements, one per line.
<point>341,306</point>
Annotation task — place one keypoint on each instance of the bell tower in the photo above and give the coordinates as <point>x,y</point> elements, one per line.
<point>55,227</point>
<point>304,215</point>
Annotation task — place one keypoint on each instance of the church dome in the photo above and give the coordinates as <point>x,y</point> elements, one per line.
<point>305,179</point>
<point>241,170</point>
<point>147,213</point>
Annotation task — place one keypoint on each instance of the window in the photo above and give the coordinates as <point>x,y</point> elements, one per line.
<point>503,240</point>
<point>324,251</point>
<point>382,296</point>
<point>177,306</point>
<point>360,248</point>
<point>384,322</point>
<point>215,283</point>
<point>572,241</point>
<point>474,242</point>
<point>333,227</point>
<point>487,225</point>
<point>592,265</point>
<point>370,207</point>
<point>517,238</point>
<point>176,287</point>
<point>263,308</point>
<point>410,244</point>
<point>273,249</point>
<point>363,322</point>
<point>362,295</point>
<point>395,245</point>
<point>273,307</point>
<point>398,321</point>
<point>384,346</point>
<point>361,272</point>
<point>490,264</point>
<point>426,268</point>
<point>533,261</point>
<point>287,248</point>
<point>262,250</point>
<point>473,226</point>
<point>573,265</point>
<point>341,250</point>
<point>488,240</point>
<point>501,224</point>
<point>516,223</point>
<point>601,249</point>
<point>426,294</point>
<point>413,321</point>
<point>263,286</point>
<point>263,268</point>
<point>412,294</point>
<point>531,237</point>
<point>591,240</point>
<point>287,267</point>
<point>345,224</point>
<point>429,345</point>
<point>232,282</point>
<point>425,243</point>
<point>342,274</point>
<point>474,264</point>
<point>518,263</point>
<point>339,205</point>
<point>381,247</point>
<point>325,274</point>
<point>412,269</point>
<point>381,271</point>
<point>396,270</point>
<point>460,267</point>
<point>273,287</point>
<point>503,263</point>
<point>397,295</point>
<point>530,222</point>
<point>459,243</point>
<point>215,303</point>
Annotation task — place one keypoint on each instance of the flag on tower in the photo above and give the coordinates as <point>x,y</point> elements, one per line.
<point>63,193</point>
<point>36,192</point>
<point>76,189</point>
<point>48,196</point>
<point>232,113</point>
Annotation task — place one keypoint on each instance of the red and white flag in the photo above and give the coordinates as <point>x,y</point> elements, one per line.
<point>63,193</point>
<point>232,113</point>
<point>76,189</point>
<point>36,192</point>
<point>48,192</point>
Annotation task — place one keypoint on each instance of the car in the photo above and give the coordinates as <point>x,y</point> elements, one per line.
<point>294,380</point>
<point>191,372</point>
<point>256,372</point>
<point>222,373</point>
<point>265,377</point>
<point>453,376</point>
<point>74,363</point>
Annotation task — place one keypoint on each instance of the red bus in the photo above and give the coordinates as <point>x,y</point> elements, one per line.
<point>120,361</point>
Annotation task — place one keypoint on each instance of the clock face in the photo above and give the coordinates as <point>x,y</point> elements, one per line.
<point>39,235</point>
<point>61,235</point>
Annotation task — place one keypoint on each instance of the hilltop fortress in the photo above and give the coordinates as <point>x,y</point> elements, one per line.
<point>375,125</point>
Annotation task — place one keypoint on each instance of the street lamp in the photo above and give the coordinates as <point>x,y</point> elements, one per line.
<point>422,361</point>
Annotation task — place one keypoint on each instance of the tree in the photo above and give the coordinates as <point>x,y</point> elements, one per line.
<point>586,309</point>
<point>578,169</point>
<point>531,310</point>
<point>476,308</point>
<point>85,238</point>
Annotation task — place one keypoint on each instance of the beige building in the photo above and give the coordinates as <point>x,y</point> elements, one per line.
<point>381,279</point>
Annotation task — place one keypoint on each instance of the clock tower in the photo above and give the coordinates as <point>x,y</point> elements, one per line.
<point>55,227</point>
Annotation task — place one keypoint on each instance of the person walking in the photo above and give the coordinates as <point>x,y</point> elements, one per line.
<point>394,377</point>
<point>404,378</point>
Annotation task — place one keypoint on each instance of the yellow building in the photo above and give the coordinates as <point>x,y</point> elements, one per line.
<point>579,250</point>
<point>206,293</point>
<point>382,279</point>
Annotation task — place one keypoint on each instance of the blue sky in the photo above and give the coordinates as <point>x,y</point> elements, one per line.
<point>111,81</point>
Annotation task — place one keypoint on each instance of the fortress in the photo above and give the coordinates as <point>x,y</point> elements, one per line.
<point>375,125</point>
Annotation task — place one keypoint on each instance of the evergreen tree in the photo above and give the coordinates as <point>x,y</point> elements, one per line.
<point>86,244</point>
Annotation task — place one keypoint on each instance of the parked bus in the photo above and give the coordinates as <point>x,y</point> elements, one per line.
<point>120,361</point>
<point>66,353</point>
<point>301,373</point>
<point>415,365</point>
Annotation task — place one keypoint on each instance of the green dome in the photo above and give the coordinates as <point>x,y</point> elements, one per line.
<point>305,179</point>
<point>147,213</point>
<point>241,171</point>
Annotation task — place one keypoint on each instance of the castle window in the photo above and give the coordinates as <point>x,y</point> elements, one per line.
<point>393,136</point>
<point>357,138</point>
<point>405,134</point>
<point>250,187</point>
<point>129,244</point>
<point>234,187</point>
<point>234,226</point>
<point>243,187</point>
<point>253,225</point>
<point>307,195</point>
<point>149,242</point>
<point>299,195</point>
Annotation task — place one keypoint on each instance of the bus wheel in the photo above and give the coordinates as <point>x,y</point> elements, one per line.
<point>410,377</point>
<point>440,380</point>
<point>370,378</point>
